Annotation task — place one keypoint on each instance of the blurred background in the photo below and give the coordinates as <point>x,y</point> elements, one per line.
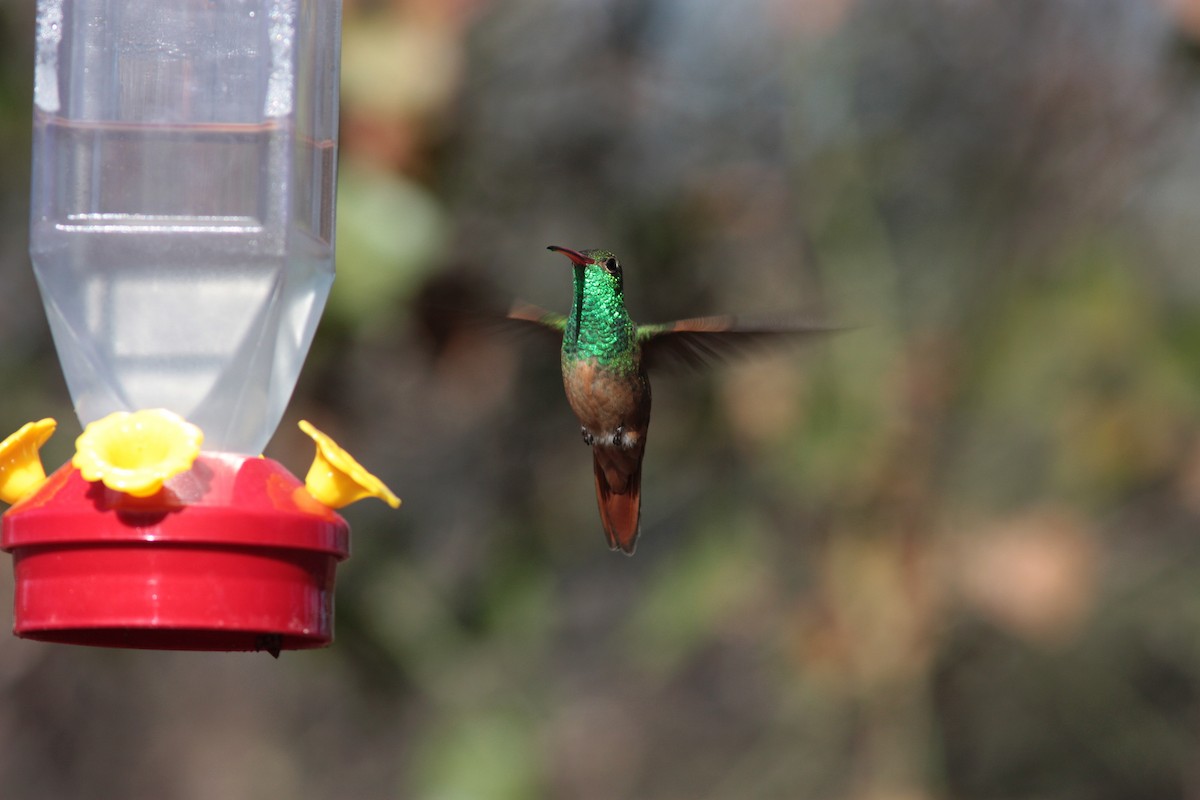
<point>953,553</point>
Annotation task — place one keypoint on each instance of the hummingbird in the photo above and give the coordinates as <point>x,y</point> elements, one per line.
<point>605,357</point>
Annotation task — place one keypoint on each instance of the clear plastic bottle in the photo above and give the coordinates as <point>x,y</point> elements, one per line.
<point>183,202</point>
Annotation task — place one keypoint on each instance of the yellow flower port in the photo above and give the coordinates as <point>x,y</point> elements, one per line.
<point>137,452</point>
<point>21,470</point>
<point>336,479</point>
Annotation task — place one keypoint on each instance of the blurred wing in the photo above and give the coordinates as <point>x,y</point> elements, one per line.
<point>536,322</point>
<point>701,340</point>
<point>525,312</point>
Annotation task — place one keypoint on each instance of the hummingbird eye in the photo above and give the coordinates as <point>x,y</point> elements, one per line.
<point>611,265</point>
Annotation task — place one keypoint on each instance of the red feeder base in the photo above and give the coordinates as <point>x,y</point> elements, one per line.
<point>231,555</point>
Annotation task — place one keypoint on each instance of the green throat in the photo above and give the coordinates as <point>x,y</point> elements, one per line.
<point>598,326</point>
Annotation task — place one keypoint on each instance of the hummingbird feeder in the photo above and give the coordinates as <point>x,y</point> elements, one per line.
<point>184,166</point>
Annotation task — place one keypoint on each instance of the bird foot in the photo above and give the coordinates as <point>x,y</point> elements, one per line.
<point>626,440</point>
<point>619,438</point>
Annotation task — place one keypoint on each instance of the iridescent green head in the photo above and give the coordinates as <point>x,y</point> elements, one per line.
<point>598,325</point>
<point>600,265</point>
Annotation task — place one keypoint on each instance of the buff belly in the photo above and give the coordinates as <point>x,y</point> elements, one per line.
<point>608,404</point>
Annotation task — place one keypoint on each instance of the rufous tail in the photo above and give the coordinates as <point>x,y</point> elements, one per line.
<point>619,494</point>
